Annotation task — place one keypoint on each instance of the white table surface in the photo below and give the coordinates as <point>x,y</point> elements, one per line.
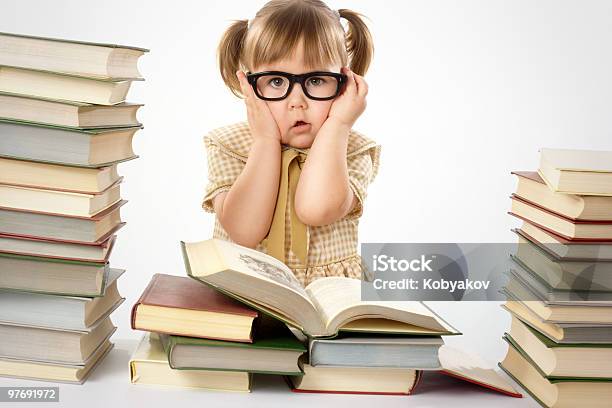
<point>109,386</point>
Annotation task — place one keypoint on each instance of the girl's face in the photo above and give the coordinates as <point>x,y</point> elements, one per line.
<point>298,118</point>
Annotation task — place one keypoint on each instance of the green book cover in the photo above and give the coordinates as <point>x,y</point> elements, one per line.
<point>551,344</point>
<point>269,335</point>
<point>89,131</point>
<point>74,41</point>
<point>53,260</point>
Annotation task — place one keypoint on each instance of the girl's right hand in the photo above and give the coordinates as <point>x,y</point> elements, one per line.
<point>262,123</point>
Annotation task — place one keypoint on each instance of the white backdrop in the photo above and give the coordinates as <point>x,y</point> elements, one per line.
<point>461,93</point>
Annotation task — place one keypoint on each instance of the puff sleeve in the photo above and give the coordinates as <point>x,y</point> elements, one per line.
<point>223,169</point>
<point>362,169</point>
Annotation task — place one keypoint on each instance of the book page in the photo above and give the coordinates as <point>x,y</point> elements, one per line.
<point>334,296</point>
<point>254,276</point>
<point>255,263</point>
<point>471,368</point>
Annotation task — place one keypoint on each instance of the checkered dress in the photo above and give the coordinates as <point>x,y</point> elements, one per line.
<point>332,249</point>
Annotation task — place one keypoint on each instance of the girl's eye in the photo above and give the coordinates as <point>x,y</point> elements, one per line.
<point>316,81</point>
<point>277,82</point>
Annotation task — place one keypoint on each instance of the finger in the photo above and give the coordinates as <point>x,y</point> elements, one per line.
<point>362,85</point>
<point>351,86</point>
<point>245,87</point>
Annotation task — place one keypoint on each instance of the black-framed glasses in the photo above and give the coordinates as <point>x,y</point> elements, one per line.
<point>277,85</point>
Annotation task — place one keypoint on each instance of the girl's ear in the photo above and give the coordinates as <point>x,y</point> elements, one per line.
<point>359,44</point>
<point>229,53</point>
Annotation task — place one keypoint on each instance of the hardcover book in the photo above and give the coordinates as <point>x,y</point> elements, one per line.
<point>58,227</point>
<point>30,109</point>
<point>273,351</point>
<point>574,171</point>
<point>69,56</point>
<point>54,85</point>
<point>56,372</point>
<point>57,176</point>
<point>149,365</point>
<point>555,392</point>
<point>532,188</point>
<point>60,312</point>
<point>183,306</point>
<point>321,309</point>
<point>74,147</point>
<point>573,230</point>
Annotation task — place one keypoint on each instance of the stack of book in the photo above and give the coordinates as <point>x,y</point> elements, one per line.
<point>241,312</point>
<point>325,309</point>
<point>200,338</point>
<point>63,129</point>
<point>354,346</point>
<point>560,286</point>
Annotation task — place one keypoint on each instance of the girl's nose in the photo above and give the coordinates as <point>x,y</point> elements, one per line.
<point>297,99</point>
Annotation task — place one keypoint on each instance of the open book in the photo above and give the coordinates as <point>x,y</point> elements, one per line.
<point>321,309</point>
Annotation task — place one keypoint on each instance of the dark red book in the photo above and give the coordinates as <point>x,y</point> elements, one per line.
<point>185,307</point>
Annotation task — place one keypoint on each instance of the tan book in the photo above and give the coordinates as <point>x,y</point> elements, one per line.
<point>553,313</point>
<point>560,333</point>
<point>78,57</point>
<point>57,249</point>
<point>558,224</point>
<point>562,360</point>
<point>52,276</point>
<point>355,380</point>
<point>67,113</point>
<point>57,227</point>
<point>532,188</point>
<point>149,365</point>
<point>53,346</point>
<point>566,249</point>
<point>59,202</point>
<point>43,371</point>
<point>574,171</point>
<point>321,309</point>
<point>56,176</point>
<point>53,85</point>
<point>556,392</point>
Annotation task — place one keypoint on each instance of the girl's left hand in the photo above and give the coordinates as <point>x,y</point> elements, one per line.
<point>351,103</point>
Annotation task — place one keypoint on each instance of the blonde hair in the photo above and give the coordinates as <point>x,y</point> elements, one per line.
<point>280,26</point>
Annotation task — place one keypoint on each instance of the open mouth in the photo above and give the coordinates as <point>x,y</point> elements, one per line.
<point>300,123</point>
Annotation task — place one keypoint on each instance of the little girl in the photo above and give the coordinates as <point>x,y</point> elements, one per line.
<point>292,181</point>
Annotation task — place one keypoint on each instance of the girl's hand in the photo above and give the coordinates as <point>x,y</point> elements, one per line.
<point>262,124</point>
<point>351,103</point>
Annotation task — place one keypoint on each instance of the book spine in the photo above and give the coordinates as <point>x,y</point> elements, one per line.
<point>141,300</point>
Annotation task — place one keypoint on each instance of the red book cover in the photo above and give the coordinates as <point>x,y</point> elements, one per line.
<point>181,292</point>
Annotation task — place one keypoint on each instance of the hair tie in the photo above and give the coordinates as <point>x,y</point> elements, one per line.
<point>337,13</point>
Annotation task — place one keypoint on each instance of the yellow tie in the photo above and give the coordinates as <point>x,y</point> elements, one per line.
<point>275,241</point>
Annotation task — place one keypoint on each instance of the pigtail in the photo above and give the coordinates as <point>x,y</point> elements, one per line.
<point>229,53</point>
<point>359,44</point>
